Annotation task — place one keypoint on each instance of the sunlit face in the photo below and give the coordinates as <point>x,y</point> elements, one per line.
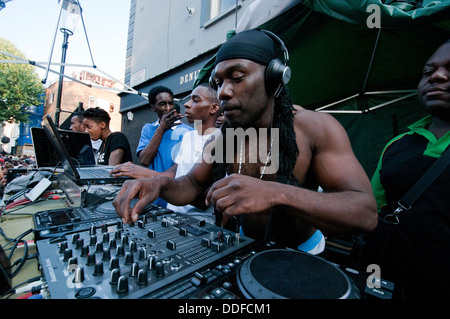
<point>198,107</point>
<point>434,87</point>
<point>94,128</point>
<point>164,103</point>
<point>242,94</point>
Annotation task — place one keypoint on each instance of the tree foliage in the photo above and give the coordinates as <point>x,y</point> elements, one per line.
<point>19,86</point>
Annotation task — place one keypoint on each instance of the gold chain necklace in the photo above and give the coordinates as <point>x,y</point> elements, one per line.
<point>104,144</point>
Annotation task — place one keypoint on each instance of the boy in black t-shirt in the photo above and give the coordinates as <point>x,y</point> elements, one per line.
<point>115,148</point>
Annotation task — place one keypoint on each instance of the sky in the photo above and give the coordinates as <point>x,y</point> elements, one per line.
<point>30,25</point>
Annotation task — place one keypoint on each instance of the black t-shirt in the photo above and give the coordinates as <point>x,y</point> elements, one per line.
<point>418,255</point>
<point>114,141</point>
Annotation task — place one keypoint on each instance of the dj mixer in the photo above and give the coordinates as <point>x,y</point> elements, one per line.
<point>116,261</point>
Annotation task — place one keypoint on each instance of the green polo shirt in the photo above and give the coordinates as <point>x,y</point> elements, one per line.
<point>434,148</point>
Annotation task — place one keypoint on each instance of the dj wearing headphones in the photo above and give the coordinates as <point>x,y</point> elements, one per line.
<point>274,197</point>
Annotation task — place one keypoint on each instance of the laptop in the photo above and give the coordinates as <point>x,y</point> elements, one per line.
<point>78,146</point>
<point>86,174</point>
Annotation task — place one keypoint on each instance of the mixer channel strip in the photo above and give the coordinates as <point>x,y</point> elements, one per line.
<point>117,261</point>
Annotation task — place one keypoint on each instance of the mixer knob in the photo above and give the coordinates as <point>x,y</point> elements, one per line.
<point>67,254</point>
<point>151,262</point>
<point>92,230</point>
<point>115,274</point>
<point>75,237</point>
<point>80,243</point>
<point>142,253</point>
<point>120,251</point>
<point>151,233</point>
<point>206,242</point>
<point>72,261</point>
<point>183,232</point>
<point>79,275</point>
<point>62,247</point>
<point>119,224</point>
<point>104,228</point>
<point>90,259</point>
<point>106,254</point>
<point>112,243</point>
<point>134,269</point>
<point>228,239</point>
<point>114,263</point>
<point>198,279</point>
<point>84,251</point>
<point>106,237</point>
<point>124,239</point>
<point>171,245</point>
<point>159,269</point>
<point>142,277</point>
<point>92,240</point>
<point>117,234</point>
<point>98,269</point>
<point>165,223</point>
<point>122,284</point>
<point>129,258</point>
<point>99,247</point>
<point>216,246</point>
<point>133,246</point>
<point>141,224</point>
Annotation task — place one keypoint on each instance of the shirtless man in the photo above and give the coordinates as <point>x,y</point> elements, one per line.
<point>314,150</point>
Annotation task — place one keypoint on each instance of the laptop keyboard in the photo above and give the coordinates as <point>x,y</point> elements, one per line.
<point>94,173</point>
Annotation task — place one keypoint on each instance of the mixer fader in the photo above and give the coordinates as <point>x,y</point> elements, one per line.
<point>116,261</point>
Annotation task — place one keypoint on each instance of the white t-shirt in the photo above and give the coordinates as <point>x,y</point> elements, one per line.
<point>191,150</point>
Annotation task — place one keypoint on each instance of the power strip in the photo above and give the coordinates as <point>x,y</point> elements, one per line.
<point>38,189</point>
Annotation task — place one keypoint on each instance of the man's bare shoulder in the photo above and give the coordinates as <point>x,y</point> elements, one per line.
<point>308,119</point>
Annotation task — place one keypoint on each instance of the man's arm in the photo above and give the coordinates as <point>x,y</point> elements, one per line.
<point>137,171</point>
<point>115,157</point>
<point>180,191</point>
<point>347,203</point>
<point>148,154</point>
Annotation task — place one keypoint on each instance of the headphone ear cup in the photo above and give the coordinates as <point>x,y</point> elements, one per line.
<point>277,74</point>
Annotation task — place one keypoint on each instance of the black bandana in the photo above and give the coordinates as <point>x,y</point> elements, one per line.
<point>251,45</point>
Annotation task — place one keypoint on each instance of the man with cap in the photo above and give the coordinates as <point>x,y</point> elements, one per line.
<point>311,149</point>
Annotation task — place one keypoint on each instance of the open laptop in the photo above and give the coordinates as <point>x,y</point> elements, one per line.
<point>80,174</point>
<point>77,144</point>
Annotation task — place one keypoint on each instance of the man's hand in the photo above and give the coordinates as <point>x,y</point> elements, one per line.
<point>146,189</point>
<point>133,170</point>
<point>168,120</point>
<point>240,194</point>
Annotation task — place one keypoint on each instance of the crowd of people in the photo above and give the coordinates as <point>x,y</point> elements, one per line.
<point>311,151</point>
<point>9,161</point>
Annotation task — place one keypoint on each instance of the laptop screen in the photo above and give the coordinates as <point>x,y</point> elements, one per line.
<point>52,132</point>
<point>78,146</point>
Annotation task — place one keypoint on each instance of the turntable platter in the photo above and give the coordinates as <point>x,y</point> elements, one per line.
<point>289,274</point>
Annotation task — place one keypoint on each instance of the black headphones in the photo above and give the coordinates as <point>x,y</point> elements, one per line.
<point>278,73</point>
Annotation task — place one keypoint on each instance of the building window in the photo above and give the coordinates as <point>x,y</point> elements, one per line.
<point>213,10</point>
<point>52,98</point>
<point>111,108</point>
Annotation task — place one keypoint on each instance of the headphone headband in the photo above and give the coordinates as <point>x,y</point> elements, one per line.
<point>280,43</point>
<point>277,73</point>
